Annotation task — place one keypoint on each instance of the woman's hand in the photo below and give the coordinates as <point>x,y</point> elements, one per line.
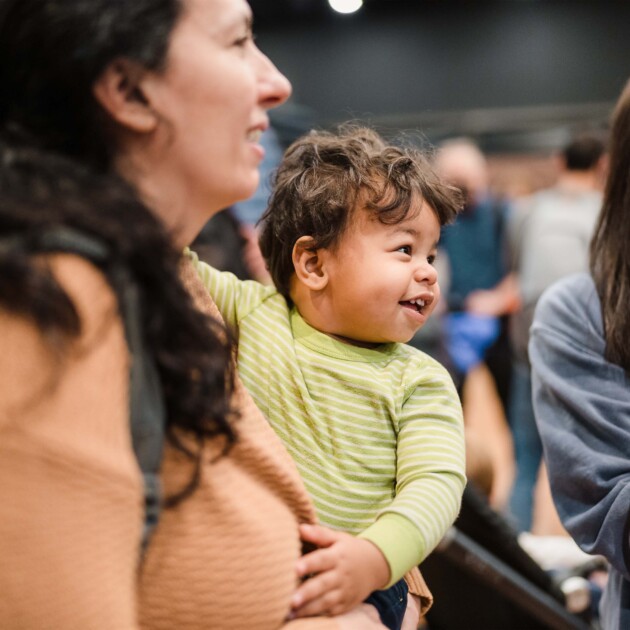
<point>363,617</point>
<point>344,571</point>
<point>411,620</point>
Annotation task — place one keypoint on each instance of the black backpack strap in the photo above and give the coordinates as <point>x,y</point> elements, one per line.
<point>147,410</point>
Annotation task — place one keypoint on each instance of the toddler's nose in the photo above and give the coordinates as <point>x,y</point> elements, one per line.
<point>426,273</point>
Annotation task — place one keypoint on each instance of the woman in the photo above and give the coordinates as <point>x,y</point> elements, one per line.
<point>580,354</point>
<point>109,108</point>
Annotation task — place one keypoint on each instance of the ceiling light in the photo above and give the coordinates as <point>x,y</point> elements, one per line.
<point>346,6</point>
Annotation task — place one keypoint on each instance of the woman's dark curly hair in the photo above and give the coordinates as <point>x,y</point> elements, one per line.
<point>39,192</point>
<point>56,169</point>
<point>322,178</point>
<point>53,51</point>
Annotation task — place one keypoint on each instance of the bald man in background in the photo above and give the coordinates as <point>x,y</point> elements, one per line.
<point>477,250</point>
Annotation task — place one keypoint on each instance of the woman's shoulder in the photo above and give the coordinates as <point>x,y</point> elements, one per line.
<point>572,287</point>
<point>87,287</point>
<point>69,396</point>
<point>568,321</point>
<point>41,351</point>
<point>88,292</point>
<point>570,305</point>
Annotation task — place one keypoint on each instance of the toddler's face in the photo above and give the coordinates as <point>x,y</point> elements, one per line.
<point>382,282</point>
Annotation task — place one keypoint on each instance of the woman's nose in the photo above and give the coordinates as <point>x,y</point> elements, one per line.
<point>274,87</point>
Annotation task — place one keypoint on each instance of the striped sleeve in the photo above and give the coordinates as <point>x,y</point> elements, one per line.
<point>430,475</point>
<point>225,289</point>
<point>234,298</point>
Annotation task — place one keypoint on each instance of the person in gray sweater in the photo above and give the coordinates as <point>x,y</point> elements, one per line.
<point>580,354</point>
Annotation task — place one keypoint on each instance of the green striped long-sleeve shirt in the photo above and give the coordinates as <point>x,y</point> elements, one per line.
<point>377,434</point>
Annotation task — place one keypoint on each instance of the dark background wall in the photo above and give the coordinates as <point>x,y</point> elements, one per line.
<point>508,65</point>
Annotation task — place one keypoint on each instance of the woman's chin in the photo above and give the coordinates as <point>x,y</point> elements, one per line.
<point>247,188</point>
<point>221,194</point>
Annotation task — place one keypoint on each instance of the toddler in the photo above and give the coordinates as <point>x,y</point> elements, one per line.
<point>374,425</point>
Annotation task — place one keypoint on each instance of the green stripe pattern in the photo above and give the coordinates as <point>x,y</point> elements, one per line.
<point>377,434</point>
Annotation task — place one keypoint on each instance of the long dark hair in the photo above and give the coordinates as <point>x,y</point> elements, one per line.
<point>610,246</point>
<point>56,169</point>
<point>51,54</point>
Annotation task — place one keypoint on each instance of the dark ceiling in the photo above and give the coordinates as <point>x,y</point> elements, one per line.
<point>274,11</point>
<point>475,67</point>
<point>268,11</point>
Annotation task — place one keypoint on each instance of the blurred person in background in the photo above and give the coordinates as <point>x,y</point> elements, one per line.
<point>477,250</point>
<point>480,296</point>
<point>551,231</point>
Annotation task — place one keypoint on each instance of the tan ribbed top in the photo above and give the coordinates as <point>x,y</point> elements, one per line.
<point>71,495</point>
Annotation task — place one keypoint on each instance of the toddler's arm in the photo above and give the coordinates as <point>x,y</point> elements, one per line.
<point>430,483</point>
<point>231,295</point>
<point>430,474</point>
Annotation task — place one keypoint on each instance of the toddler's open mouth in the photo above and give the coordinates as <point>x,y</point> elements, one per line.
<point>416,305</point>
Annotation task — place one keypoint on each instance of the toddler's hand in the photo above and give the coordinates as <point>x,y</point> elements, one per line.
<point>345,571</point>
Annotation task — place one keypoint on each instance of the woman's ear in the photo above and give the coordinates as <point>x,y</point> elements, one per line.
<point>119,92</point>
<point>308,263</point>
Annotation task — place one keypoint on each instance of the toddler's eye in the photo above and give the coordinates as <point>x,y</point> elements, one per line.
<point>431,259</point>
<point>405,249</point>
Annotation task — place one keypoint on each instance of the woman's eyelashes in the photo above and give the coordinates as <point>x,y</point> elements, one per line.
<point>241,42</point>
<point>245,39</point>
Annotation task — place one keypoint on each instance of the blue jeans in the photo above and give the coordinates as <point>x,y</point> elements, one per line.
<point>527,447</point>
<point>391,604</point>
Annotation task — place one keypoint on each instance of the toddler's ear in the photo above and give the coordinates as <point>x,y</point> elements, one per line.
<point>308,264</point>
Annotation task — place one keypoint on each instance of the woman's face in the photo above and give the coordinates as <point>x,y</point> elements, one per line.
<point>211,99</point>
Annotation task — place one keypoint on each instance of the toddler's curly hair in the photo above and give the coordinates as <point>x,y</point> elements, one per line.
<point>324,177</point>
